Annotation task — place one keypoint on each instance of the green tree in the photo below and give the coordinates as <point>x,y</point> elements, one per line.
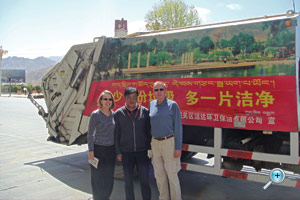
<point>218,45</point>
<point>271,50</point>
<point>219,55</point>
<point>153,45</point>
<point>124,55</point>
<point>38,88</point>
<point>206,44</point>
<point>160,46</point>
<point>199,56</point>
<point>142,47</point>
<point>259,47</point>
<point>181,47</point>
<point>224,44</point>
<point>235,45</point>
<point>171,14</point>
<point>171,45</point>
<point>110,54</point>
<point>153,59</point>
<point>193,44</point>
<point>255,56</point>
<point>143,60</point>
<point>133,60</point>
<point>280,35</point>
<point>164,58</point>
<point>246,42</point>
<point>14,88</point>
<point>29,88</point>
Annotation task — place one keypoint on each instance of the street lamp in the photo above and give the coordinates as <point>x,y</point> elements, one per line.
<point>2,52</point>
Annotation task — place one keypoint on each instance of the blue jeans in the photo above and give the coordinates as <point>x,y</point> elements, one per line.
<point>103,177</point>
<point>141,161</point>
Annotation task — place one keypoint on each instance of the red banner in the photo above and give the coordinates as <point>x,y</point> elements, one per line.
<point>260,103</point>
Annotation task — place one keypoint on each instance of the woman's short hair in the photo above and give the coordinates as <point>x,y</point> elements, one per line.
<point>101,97</point>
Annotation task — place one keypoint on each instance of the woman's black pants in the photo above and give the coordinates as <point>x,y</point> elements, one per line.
<point>103,177</point>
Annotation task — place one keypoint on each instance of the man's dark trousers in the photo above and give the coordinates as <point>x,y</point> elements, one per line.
<point>141,161</point>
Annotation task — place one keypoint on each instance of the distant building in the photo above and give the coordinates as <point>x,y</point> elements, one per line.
<point>13,75</point>
<point>120,28</point>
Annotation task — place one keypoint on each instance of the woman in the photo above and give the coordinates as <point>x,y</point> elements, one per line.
<point>101,145</point>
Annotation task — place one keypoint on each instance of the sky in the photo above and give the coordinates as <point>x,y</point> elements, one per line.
<point>33,28</point>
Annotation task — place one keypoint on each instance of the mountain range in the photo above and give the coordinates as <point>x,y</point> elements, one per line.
<point>35,68</point>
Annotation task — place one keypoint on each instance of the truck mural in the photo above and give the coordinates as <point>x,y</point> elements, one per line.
<point>236,84</point>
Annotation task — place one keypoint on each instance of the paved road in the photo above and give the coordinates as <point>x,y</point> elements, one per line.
<point>32,168</point>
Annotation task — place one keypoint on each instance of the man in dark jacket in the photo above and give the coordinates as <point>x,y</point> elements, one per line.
<point>132,142</point>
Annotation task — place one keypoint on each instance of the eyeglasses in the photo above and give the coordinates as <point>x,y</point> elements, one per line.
<point>106,99</point>
<point>160,89</point>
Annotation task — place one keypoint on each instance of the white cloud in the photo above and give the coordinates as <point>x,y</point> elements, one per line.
<point>136,26</point>
<point>203,14</point>
<point>234,6</point>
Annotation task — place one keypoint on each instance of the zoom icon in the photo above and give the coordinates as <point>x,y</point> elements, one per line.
<point>276,176</point>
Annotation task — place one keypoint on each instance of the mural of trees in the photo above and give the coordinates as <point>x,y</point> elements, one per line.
<point>279,39</point>
<point>279,42</point>
<point>206,44</point>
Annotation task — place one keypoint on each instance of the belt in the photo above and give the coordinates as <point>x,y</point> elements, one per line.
<point>164,138</point>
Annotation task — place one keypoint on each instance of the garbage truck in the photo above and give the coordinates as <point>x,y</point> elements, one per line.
<point>236,83</point>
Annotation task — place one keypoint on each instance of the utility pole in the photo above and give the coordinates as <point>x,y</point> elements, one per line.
<point>2,52</point>
<point>9,79</point>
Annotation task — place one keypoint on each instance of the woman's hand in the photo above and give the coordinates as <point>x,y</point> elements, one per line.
<point>91,155</point>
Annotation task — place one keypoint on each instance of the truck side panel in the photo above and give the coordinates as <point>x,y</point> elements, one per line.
<point>234,76</point>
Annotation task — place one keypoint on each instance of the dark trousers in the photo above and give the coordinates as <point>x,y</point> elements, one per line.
<point>141,161</point>
<point>103,177</point>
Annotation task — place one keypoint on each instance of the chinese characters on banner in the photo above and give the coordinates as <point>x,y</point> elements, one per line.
<point>261,103</point>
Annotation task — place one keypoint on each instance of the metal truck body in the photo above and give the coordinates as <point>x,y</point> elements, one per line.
<point>236,83</point>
